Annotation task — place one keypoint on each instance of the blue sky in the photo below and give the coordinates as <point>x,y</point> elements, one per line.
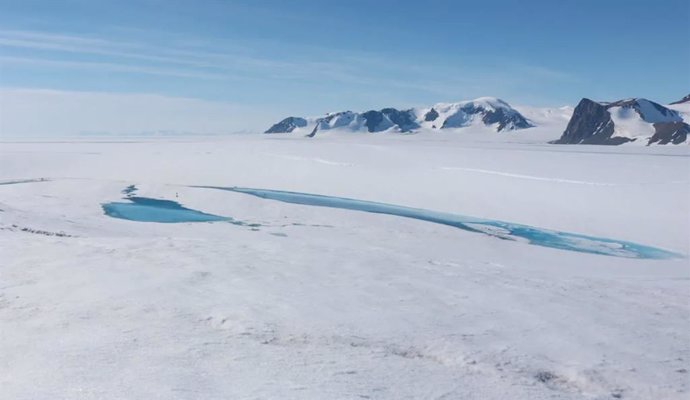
<point>270,58</point>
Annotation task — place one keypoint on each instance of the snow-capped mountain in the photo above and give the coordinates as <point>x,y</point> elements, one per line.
<point>624,121</point>
<point>485,112</point>
<point>288,125</point>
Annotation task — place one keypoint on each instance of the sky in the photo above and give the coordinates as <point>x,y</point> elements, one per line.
<point>211,66</point>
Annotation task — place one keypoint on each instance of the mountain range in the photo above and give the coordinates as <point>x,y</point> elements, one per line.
<point>486,111</point>
<point>608,123</point>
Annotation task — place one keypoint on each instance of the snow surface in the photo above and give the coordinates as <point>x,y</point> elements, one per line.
<point>553,118</point>
<point>652,114</point>
<point>320,303</point>
<point>630,124</point>
<point>637,122</point>
<point>683,109</point>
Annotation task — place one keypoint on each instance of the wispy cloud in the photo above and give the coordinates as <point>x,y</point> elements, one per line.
<point>108,67</point>
<point>312,65</point>
<point>277,70</point>
<point>102,47</point>
<point>155,59</point>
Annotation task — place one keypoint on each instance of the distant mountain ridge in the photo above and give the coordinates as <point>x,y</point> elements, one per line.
<point>685,99</point>
<point>486,111</point>
<point>592,122</point>
<point>287,125</point>
<point>624,121</point>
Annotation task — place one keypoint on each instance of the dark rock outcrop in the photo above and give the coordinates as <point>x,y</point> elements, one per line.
<point>287,125</point>
<point>377,121</point>
<point>591,123</point>
<point>405,119</point>
<point>670,132</point>
<point>431,115</point>
<point>373,120</point>
<point>504,120</point>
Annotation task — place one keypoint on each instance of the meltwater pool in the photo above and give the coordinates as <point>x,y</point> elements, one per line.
<point>499,229</point>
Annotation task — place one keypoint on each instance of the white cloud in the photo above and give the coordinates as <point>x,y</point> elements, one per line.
<point>106,66</point>
<point>39,112</point>
<point>223,60</point>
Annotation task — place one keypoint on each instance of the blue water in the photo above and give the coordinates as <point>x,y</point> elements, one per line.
<point>498,229</point>
<point>144,209</point>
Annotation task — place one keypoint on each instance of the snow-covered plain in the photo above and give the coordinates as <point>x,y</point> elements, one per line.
<point>320,303</point>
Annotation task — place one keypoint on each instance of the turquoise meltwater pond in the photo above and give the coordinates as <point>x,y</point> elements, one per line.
<point>144,209</point>
<point>499,229</point>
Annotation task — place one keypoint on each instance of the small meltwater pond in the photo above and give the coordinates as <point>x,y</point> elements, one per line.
<point>499,229</point>
<point>144,209</point>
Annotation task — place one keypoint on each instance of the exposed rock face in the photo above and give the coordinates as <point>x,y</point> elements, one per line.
<point>374,121</point>
<point>505,120</point>
<point>405,120</point>
<point>670,132</point>
<point>685,99</point>
<point>431,115</point>
<point>623,121</point>
<point>287,125</point>
<point>377,121</point>
<point>591,123</point>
